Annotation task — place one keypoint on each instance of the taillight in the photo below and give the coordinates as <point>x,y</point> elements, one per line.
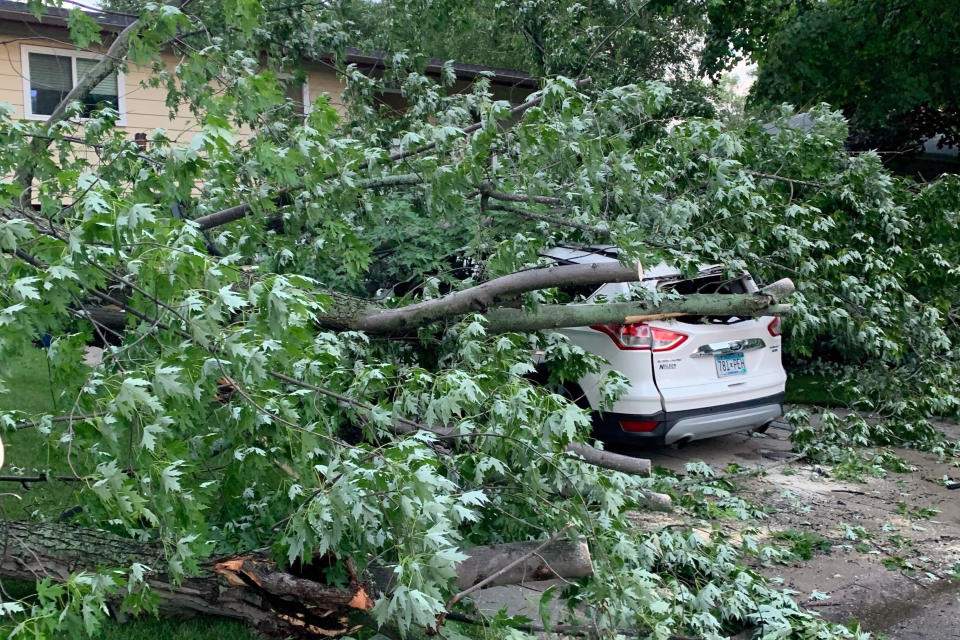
<point>774,327</point>
<point>641,336</point>
<point>638,426</point>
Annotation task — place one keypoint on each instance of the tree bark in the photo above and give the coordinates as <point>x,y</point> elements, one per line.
<point>484,296</point>
<point>251,587</point>
<point>568,559</point>
<point>610,460</point>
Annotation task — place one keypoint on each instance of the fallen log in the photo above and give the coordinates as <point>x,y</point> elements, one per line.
<point>561,558</point>
<point>293,602</point>
<point>250,588</point>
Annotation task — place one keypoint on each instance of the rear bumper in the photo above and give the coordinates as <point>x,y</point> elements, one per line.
<point>693,424</point>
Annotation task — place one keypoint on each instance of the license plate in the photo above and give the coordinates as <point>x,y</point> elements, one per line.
<point>733,364</point>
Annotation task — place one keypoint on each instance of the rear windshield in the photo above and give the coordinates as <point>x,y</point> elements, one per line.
<point>712,283</point>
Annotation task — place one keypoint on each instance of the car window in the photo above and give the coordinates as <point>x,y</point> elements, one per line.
<point>713,283</point>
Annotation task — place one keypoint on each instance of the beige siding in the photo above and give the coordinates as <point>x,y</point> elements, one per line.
<point>323,81</point>
<point>145,108</point>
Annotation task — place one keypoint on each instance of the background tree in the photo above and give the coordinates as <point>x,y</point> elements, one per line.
<point>613,43</point>
<point>884,63</point>
<point>263,434</point>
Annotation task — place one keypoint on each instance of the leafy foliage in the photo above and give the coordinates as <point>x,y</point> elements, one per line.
<point>226,419</point>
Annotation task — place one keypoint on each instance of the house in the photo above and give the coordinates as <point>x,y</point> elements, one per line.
<point>39,65</point>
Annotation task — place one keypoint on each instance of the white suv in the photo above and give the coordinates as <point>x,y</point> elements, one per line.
<point>690,377</point>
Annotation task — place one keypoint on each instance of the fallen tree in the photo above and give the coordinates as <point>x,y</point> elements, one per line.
<point>262,389</point>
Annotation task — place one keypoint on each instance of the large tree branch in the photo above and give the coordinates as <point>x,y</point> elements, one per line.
<point>557,316</point>
<point>484,296</point>
<point>481,298</point>
<point>347,312</point>
<point>108,64</point>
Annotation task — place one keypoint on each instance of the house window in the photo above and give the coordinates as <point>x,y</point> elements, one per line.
<point>50,74</point>
<point>298,92</point>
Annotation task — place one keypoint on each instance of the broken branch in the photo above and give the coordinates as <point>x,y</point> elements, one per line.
<point>523,557</point>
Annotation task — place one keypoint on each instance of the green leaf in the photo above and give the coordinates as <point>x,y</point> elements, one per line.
<point>24,288</point>
<point>136,216</point>
<point>170,477</point>
<point>230,299</point>
<point>83,28</point>
<point>544,606</point>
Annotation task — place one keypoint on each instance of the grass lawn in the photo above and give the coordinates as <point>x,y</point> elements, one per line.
<point>821,391</point>
<point>28,452</point>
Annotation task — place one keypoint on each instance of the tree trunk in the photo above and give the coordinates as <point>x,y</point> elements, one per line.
<point>557,316</point>
<point>283,603</point>
<point>565,558</point>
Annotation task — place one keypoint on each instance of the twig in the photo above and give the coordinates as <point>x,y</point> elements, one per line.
<point>24,480</point>
<point>68,418</point>
<point>616,30</point>
<point>772,176</point>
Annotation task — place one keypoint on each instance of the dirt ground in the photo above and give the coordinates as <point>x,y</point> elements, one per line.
<point>889,556</point>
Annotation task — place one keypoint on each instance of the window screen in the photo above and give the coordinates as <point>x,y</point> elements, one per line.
<point>50,81</point>
<point>104,94</point>
<point>51,78</point>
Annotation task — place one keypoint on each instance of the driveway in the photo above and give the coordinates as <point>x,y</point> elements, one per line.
<point>890,558</point>
<point>893,577</point>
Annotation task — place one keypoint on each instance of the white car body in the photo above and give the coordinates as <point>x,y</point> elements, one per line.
<point>682,392</point>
